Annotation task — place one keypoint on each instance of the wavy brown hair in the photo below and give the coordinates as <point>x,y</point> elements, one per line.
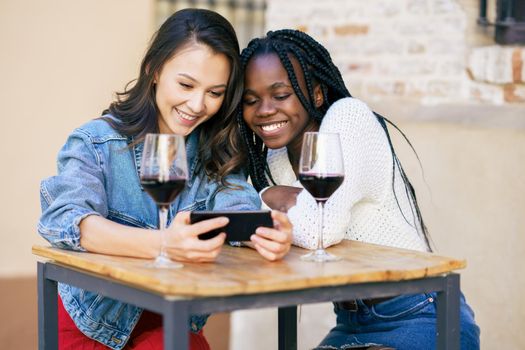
<point>135,108</point>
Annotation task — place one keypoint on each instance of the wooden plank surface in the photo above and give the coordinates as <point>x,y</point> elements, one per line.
<point>244,271</point>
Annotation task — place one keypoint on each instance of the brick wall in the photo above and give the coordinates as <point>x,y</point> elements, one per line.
<point>498,73</point>
<point>424,51</point>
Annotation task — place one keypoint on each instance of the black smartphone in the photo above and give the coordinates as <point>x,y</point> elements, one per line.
<point>241,226</point>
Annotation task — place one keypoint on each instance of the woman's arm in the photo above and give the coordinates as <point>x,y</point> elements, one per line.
<point>280,197</point>
<point>74,207</point>
<point>100,235</point>
<point>239,195</point>
<point>272,243</point>
<point>74,211</point>
<point>76,193</point>
<point>367,162</point>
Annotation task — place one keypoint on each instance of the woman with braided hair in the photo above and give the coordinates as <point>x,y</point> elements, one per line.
<point>291,87</point>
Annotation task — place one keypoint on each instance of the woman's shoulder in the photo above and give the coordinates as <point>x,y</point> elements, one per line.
<point>349,105</point>
<point>100,130</point>
<point>349,102</point>
<point>349,113</point>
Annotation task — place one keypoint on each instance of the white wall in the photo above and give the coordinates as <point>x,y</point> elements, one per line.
<point>409,49</point>
<point>474,206</point>
<point>60,62</point>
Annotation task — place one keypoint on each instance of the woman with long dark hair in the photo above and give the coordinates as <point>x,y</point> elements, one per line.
<point>292,86</point>
<point>190,83</point>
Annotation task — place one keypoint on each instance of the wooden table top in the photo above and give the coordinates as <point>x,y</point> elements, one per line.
<point>244,271</point>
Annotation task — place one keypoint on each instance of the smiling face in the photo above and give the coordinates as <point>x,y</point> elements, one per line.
<point>270,106</point>
<point>190,88</point>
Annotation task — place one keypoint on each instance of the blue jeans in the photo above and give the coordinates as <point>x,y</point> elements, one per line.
<point>404,322</point>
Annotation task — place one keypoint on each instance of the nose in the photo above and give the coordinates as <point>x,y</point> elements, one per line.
<point>196,103</point>
<point>266,108</point>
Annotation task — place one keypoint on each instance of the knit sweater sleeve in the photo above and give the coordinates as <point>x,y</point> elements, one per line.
<point>368,171</point>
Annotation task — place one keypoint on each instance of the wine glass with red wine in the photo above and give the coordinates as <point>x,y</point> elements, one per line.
<point>321,172</point>
<point>163,175</point>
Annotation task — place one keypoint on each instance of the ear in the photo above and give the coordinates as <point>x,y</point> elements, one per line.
<point>318,96</point>
<point>155,76</point>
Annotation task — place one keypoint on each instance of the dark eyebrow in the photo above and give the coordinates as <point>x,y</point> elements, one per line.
<point>274,86</point>
<point>187,76</point>
<point>279,84</point>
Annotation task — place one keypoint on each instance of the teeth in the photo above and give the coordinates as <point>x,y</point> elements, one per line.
<point>186,116</point>
<point>273,127</point>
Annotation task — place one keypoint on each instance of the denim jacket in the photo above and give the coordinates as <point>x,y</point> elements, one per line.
<point>98,174</point>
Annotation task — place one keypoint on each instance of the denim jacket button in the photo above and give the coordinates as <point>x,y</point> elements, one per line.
<point>116,340</point>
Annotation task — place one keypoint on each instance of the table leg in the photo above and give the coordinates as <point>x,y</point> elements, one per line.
<point>175,324</point>
<point>448,314</point>
<point>288,328</point>
<point>47,311</point>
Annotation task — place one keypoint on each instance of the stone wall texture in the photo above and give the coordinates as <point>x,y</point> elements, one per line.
<point>425,51</point>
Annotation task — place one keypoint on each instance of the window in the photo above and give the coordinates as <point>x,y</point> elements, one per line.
<point>509,20</point>
<point>246,16</point>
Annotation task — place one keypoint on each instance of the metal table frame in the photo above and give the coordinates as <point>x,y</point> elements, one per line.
<point>176,310</point>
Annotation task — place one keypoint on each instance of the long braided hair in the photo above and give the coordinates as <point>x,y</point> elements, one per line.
<point>318,68</point>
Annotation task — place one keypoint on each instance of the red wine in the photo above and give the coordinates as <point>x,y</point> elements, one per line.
<point>163,192</point>
<point>321,187</point>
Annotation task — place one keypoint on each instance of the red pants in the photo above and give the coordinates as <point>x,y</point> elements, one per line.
<point>147,335</point>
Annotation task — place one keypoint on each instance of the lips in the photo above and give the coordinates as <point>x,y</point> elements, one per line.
<point>272,128</point>
<point>185,116</point>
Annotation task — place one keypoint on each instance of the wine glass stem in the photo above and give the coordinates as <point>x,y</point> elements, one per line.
<point>320,245</point>
<point>163,222</point>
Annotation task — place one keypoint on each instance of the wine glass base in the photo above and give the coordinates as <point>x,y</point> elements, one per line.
<point>162,262</point>
<point>320,255</point>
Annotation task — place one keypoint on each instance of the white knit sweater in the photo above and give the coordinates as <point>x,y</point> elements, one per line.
<point>364,208</point>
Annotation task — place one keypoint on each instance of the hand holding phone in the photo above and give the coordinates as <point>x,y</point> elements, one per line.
<point>241,226</point>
